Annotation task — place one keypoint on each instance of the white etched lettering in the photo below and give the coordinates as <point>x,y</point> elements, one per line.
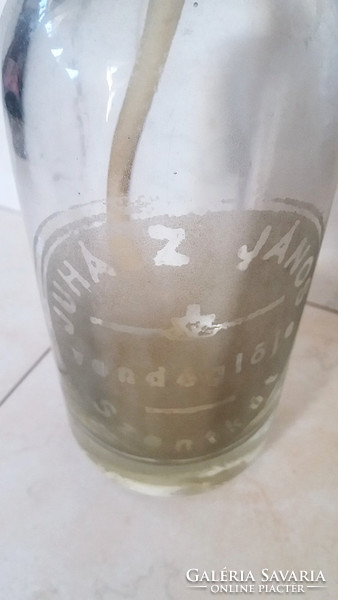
<point>187,378</point>
<point>304,271</point>
<point>168,254</point>
<point>233,425</point>
<point>78,356</point>
<point>216,376</point>
<point>105,409</point>
<point>152,441</point>
<point>247,256</point>
<point>255,402</point>
<point>280,249</point>
<point>96,266</point>
<point>289,330</point>
<point>297,256</point>
<point>276,342</point>
<point>258,354</point>
<point>127,429</point>
<point>100,368</point>
<point>211,437</point>
<point>156,378</point>
<point>183,445</point>
<point>69,327</point>
<point>239,362</point>
<point>126,375</point>
<point>66,301</point>
<point>303,292</point>
<point>71,276</point>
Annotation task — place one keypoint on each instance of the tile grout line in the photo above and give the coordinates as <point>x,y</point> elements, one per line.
<point>24,376</point>
<point>322,307</point>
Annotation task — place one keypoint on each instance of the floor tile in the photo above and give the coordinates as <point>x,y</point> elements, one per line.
<point>68,532</point>
<point>23,336</point>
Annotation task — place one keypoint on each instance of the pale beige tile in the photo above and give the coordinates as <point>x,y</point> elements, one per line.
<point>23,336</point>
<point>67,532</point>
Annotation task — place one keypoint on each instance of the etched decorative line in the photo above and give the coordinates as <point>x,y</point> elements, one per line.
<point>186,331</point>
<point>188,410</point>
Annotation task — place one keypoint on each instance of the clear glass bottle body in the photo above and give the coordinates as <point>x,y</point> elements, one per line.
<point>176,170</point>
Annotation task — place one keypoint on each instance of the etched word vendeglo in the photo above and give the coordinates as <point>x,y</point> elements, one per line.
<point>176,203</point>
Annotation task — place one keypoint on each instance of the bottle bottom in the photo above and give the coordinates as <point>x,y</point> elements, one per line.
<point>166,479</point>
